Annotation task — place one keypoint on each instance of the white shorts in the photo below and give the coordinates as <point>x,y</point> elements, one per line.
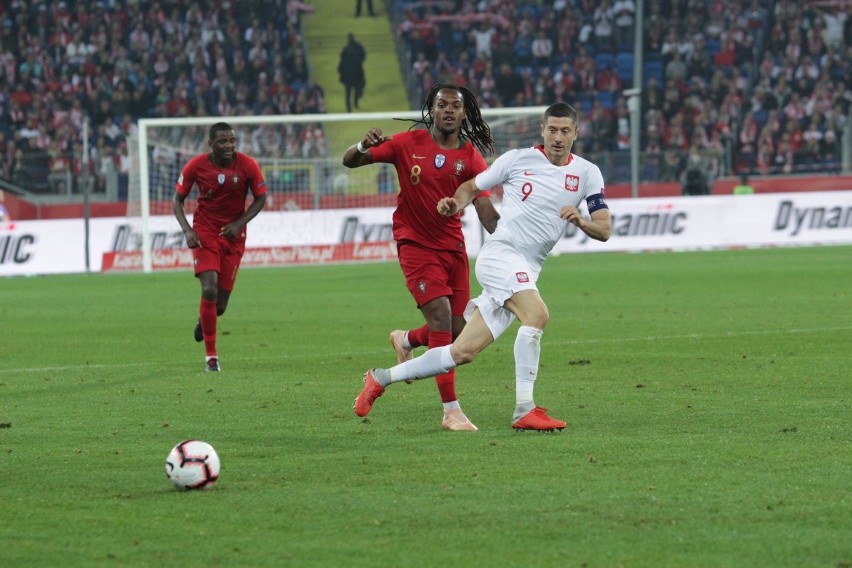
<point>502,273</point>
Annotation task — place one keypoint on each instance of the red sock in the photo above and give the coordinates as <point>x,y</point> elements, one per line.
<point>207,312</point>
<point>446,382</point>
<point>419,337</point>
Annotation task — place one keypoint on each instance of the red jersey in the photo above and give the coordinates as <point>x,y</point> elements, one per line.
<point>426,174</point>
<point>222,192</point>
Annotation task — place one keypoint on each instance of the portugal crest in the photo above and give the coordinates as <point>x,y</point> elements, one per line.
<point>458,167</point>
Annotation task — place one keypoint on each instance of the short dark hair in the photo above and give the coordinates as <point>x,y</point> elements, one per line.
<point>561,110</point>
<point>219,127</point>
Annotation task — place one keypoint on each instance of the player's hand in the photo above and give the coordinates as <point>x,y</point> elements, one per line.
<point>448,206</point>
<point>230,231</point>
<point>374,137</point>
<point>191,239</point>
<point>571,214</point>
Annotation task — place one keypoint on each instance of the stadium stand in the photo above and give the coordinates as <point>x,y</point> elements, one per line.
<point>727,80</point>
<point>115,61</point>
<point>761,87</point>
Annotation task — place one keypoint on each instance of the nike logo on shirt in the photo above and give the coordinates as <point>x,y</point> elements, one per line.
<point>416,157</point>
<point>528,173</point>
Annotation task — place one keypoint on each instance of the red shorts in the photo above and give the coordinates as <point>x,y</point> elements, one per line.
<point>430,274</point>
<point>219,254</point>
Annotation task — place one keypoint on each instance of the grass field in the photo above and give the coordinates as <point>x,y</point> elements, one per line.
<point>707,395</point>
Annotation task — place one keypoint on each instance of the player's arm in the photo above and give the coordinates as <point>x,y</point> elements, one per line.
<point>599,224</point>
<point>465,193</point>
<point>231,230</point>
<point>488,214</point>
<point>485,209</point>
<point>177,207</point>
<point>259,192</point>
<point>359,154</point>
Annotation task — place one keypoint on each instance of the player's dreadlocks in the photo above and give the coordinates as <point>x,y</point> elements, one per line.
<point>473,127</point>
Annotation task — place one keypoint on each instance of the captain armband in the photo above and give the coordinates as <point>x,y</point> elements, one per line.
<point>596,202</point>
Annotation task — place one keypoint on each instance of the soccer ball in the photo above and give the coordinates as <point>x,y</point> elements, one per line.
<point>192,464</point>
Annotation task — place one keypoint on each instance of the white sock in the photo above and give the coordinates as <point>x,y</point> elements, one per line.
<point>434,362</point>
<point>405,343</point>
<point>527,355</point>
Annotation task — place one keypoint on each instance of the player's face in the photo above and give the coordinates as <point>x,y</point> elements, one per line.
<point>223,146</point>
<point>447,111</point>
<point>558,133</point>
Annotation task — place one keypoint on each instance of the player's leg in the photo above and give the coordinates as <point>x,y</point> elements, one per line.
<point>207,316</point>
<point>532,313</point>
<point>458,279</point>
<point>438,317</point>
<point>404,342</point>
<point>438,314</point>
<point>231,254</point>
<point>475,337</point>
<point>207,263</point>
<point>426,275</point>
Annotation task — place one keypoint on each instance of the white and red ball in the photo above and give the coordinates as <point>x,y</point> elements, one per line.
<point>193,464</point>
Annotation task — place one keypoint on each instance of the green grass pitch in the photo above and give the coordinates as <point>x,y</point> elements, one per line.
<point>707,396</point>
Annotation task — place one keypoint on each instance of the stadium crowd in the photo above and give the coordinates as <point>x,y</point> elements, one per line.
<point>747,86</point>
<point>114,61</point>
<point>756,86</point>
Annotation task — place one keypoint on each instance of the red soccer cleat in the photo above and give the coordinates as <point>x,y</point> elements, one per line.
<point>371,391</point>
<point>537,419</point>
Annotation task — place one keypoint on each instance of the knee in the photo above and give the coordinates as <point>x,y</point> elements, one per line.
<point>537,318</point>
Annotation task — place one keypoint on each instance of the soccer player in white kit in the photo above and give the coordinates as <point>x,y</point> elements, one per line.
<point>542,189</point>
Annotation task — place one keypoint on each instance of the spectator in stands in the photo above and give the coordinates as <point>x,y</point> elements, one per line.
<point>508,84</point>
<point>351,71</point>
<point>603,26</point>
<point>523,45</point>
<point>584,68</point>
<point>608,80</point>
<point>676,68</point>
<point>743,188</point>
<point>370,10</point>
<point>542,49</point>
<point>482,35</point>
<point>695,180</point>
<point>150,46</point>
<point>834,19</point>
<point>623,15</point>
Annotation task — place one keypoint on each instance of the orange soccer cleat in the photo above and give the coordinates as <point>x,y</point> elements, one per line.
<point>368,395</point>
<point>537,419</point>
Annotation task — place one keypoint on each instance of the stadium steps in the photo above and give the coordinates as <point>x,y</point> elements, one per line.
<point>325,33</point>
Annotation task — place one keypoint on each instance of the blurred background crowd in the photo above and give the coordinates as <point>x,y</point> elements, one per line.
<point>736,86</point>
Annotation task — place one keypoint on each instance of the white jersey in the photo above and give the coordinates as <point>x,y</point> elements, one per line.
<point>534,192</point>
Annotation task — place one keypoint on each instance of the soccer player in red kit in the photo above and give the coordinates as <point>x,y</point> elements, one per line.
<point>431,163</point>
<point>217,236</point>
